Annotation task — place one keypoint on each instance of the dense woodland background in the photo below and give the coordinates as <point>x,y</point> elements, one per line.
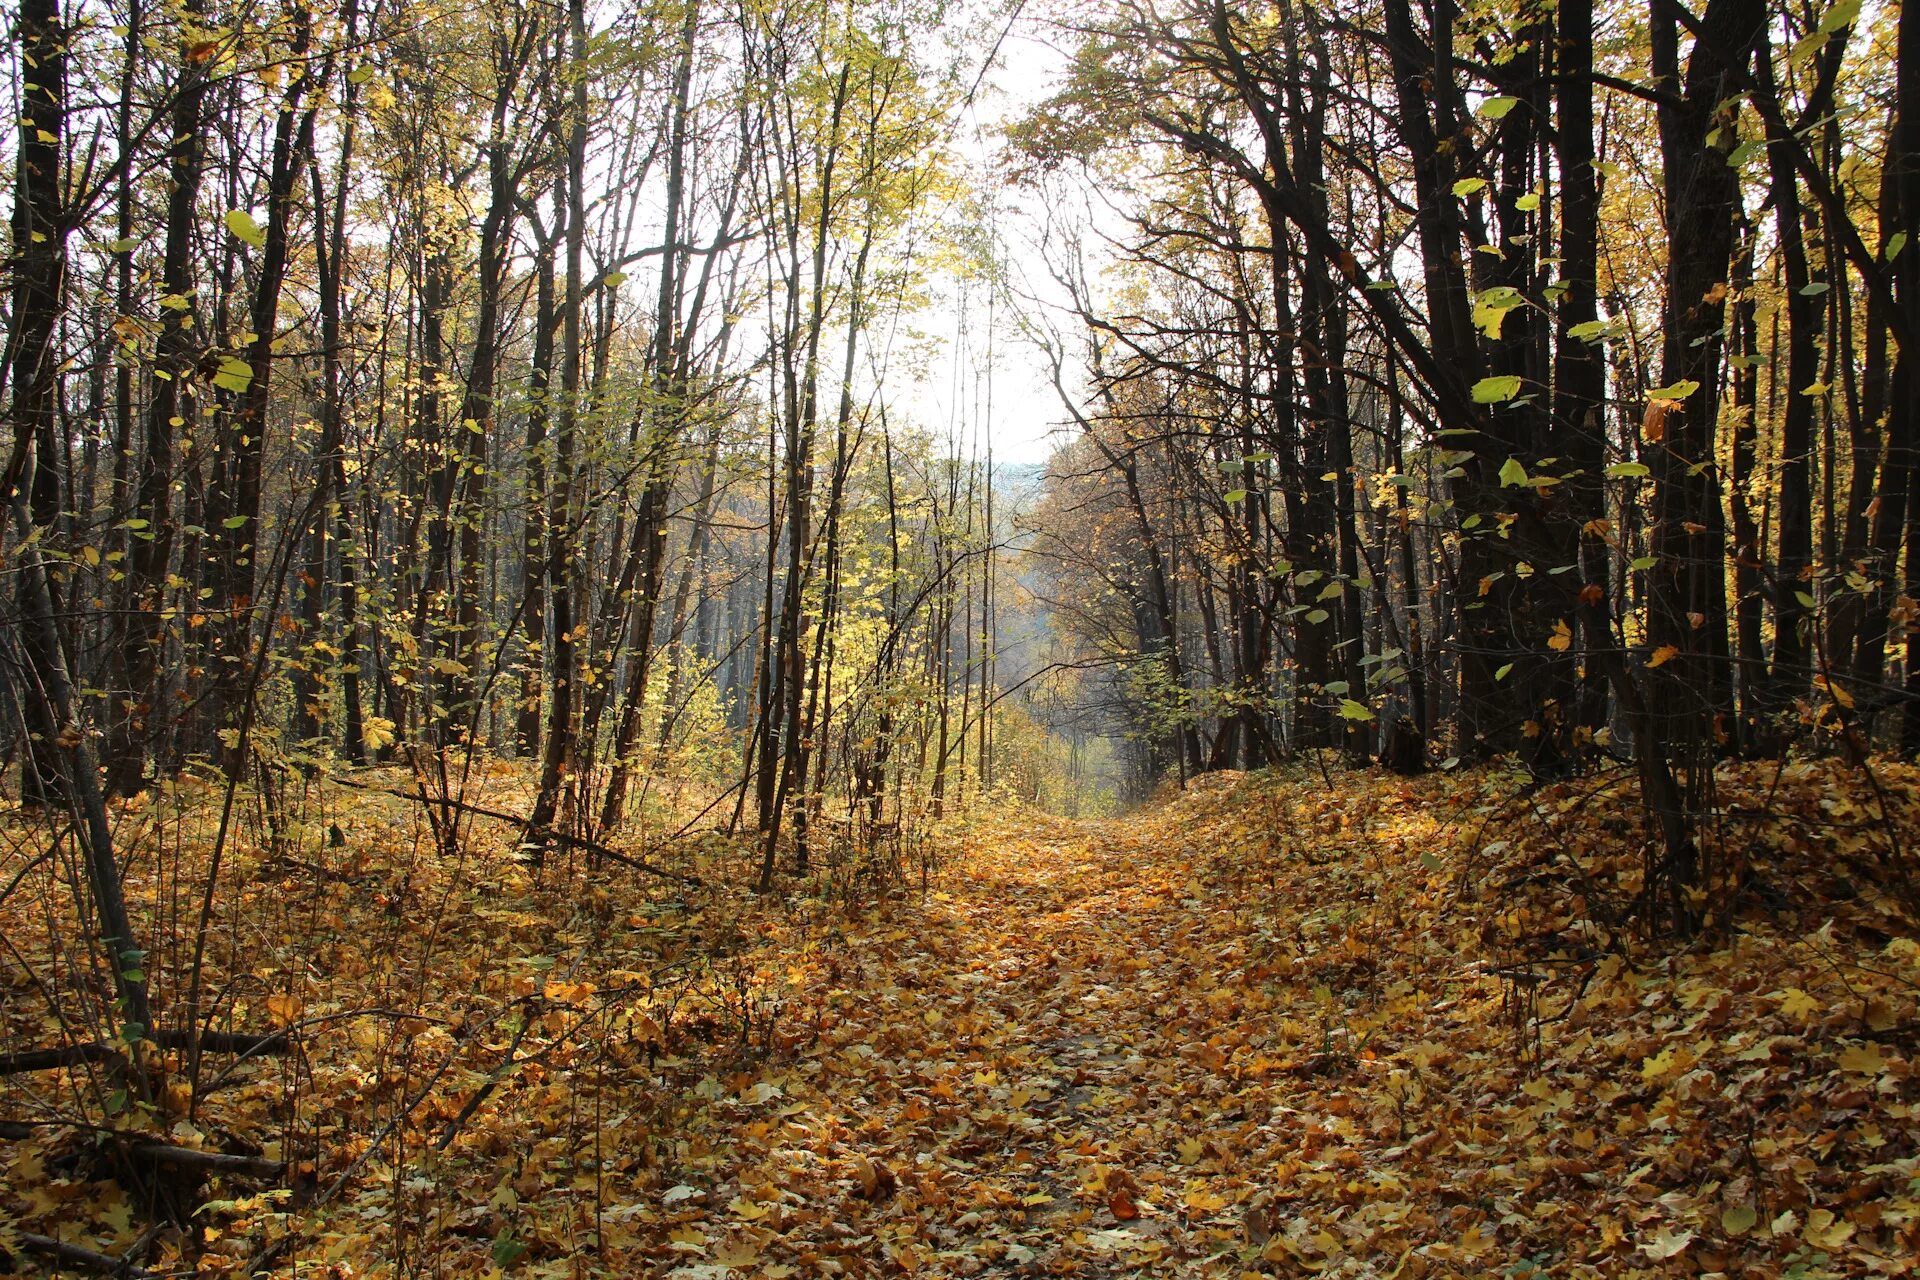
<point>521,411</point>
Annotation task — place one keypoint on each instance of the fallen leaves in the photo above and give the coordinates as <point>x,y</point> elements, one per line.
<point>1265,1028</point>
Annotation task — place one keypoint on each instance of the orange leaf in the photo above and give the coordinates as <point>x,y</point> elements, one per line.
<point>285,1009</point>
<point>1654,425</point>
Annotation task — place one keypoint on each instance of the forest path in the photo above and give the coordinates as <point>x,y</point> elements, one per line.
<point>1027,1072</point>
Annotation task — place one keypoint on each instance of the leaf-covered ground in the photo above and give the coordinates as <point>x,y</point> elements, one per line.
<point>1267,1028</point>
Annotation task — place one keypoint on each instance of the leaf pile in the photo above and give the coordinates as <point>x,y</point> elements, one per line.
<point>1266,1028</point>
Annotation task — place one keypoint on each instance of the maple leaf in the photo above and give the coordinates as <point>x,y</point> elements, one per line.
<point>1667,1244</point>
<point>1862,1059</point>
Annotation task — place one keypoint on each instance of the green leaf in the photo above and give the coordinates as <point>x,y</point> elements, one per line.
<point>1895,243</point>
<point>233,375</point>
<point>1490,308</point>
<point>1588,330</point>
<point>1351,710</point>
<point>1806,600</point>
<point>1745,152</point>
<point>1467,186</point>
<point>1843,14</point>
<point>1501,674</point>
<point>1317,616</point>
<point>1805,47</point>
<point>127,245</point>
<point>1628,471</point>
<point>1528,202</point>
<point>614,279</point>
<point>1678,391</point>
<point>1497,390</point>
<point>233,522</point>
<point>1332,591</point>
<point>1641,563</point>
<point>1512,474</point>
<point>1497,108</point>
<point>507,1250</point>
<point>360,75</point>
<point>241,223</point>
<point>1235,495</point>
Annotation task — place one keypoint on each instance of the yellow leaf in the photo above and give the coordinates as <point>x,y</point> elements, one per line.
<point>1667,1244</point>
<point>573,993</point>
<point>241,223</point>
<point>1203,1201</point>
<point>1795,1003</point>
<point>736,1253</point>
<point>1664,654</point>
<point>1474,1243</point>
<point>1737,1220</point>
<point>1562,638</point>
<point>285,1010</point>
<point>1862,1059</point>
<point>1824,1231</point>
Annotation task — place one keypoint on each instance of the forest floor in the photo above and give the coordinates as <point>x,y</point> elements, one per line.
<point>1264,1028</point>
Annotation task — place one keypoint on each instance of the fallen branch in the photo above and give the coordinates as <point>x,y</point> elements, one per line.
<point>158,1152</point>
<point>69,1055</point>
<point>210,1161</point>
<point>243,1043</point>
<point>77,1255</point>
<point>500,815</point>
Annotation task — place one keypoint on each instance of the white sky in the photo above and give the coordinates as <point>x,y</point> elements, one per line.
<point>978,365</point>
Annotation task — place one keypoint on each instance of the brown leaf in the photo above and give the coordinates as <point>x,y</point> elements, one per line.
<point>1654,425</point>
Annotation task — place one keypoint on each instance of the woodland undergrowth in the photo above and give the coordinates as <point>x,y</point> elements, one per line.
<point>1267,1027</point>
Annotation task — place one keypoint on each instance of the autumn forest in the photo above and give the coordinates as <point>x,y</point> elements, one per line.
<point>730,638</point>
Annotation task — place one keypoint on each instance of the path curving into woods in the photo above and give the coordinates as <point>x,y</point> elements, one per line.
<point>1049,1067</point>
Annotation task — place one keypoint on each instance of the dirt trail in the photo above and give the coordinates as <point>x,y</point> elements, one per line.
<point>1008,1081</point>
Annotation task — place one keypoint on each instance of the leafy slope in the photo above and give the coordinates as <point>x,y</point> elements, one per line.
<point>1265,1028</point>
<point>1260,1031</point>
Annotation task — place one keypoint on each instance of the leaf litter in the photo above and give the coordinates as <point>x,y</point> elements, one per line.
<point>1395,1029</point>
